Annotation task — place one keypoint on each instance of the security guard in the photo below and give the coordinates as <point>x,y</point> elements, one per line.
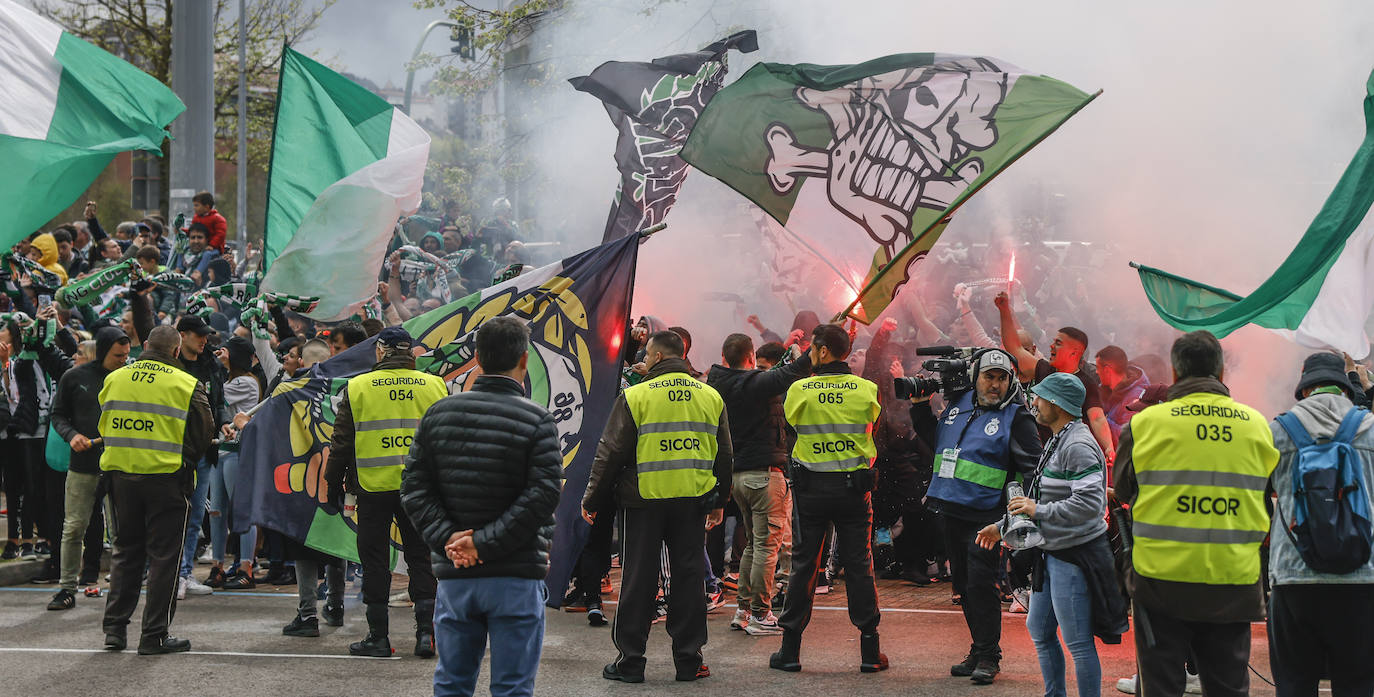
<point>666,456</point>
<point>373,428</point>
<point>155,425</point>
<point>1194,470</point>
<point>983,439</point>
<point>833,413</point>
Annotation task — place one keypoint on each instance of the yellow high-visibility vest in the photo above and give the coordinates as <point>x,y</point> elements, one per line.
<point>833,415</point>
<point>387,406</point>
<point>677,417</point>
<point>143,410</point>
<point>1201,463</point>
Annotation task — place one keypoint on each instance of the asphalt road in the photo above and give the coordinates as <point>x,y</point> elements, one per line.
<point>238,649</point>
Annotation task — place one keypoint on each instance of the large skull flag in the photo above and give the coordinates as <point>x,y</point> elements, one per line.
<point>864,163</point>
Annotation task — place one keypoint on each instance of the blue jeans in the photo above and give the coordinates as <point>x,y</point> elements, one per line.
<point>1064,604</point>
<point>223,478</point>
<point>193,520</point>
<point>508,610</point>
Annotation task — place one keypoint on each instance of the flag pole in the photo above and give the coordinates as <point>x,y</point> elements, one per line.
<point>646,232</point>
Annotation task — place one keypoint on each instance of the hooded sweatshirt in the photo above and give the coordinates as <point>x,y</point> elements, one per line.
<point>46,244</point>
<point>76,408</point>
<point>1321,415</point>
<point>1117,401</point>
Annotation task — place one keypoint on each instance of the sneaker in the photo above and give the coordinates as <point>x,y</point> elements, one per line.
<point>1193,686</point>
<point>26,552</point>
<point>740,620</point>
<point>615,561</point>
<point>1127,685</point>
<point>1020,600</point>
<point>239,581</point>
<point>715,599</point>
<point>689,675</point>
<point>217,577</point>
<point>660,612</point>
<point>181,588</point>
<point>302,627</point>
<point>731,581</point>
<point>606,586</point>
<point>595,616</point>
<point>986,672</point>
<point>207,558</point>
<point>577,602</point>
<point>823,584</point>
<point>41,550</point>
<point>333,615</point>
<point>63,600</point>
<point>401,599</point>
<point>763,626</point>
<point>11,551</point>
<point>194,587</point>
<point>964,668</point>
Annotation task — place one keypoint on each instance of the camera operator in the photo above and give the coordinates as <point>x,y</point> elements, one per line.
<point>984,437</point>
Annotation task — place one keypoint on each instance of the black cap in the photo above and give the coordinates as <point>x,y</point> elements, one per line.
<point>395,337</point>
<point>192,323</point>
<point>1324,369</point>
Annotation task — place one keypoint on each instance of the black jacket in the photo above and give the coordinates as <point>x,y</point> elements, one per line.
<point>486,460</point>
<point>76,407</point>
<point>1106,603</point>
<point>753,398</point>
<point>615,475</point>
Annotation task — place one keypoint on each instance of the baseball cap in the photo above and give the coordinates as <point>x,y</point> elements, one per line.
<point>995,360</point>
<point>1063,390</point>
<point>395,337</point>
<point>192,323</point>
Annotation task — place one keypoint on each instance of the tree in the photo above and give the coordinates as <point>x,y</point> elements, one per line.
<point>140,31</point>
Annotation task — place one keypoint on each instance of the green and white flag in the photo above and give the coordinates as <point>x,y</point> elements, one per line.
<point>1321,296</point>
<point>863,164</point>
<point>66,109</point>
<point>345,166</point>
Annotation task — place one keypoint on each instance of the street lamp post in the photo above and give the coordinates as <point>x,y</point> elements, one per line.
<point>410,74</point>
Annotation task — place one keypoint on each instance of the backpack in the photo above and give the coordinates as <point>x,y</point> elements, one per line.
<point>1331,518</point>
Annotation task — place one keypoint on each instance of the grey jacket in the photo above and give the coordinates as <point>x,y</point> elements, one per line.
<point>1071,505</point>
<point>1321,415</point>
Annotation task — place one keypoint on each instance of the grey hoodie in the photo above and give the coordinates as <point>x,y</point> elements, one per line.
<point>1321,415</point>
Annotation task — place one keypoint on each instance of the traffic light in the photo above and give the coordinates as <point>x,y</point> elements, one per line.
<point>462,36</point>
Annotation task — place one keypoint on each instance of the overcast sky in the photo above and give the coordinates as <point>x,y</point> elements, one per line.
<point>374,38</point>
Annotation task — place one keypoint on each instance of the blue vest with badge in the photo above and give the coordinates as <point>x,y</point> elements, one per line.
<point>972,454</point>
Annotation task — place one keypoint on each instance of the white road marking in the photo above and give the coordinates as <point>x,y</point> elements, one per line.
<point>17,649</point>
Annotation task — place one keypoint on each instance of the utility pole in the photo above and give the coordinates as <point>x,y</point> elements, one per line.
<point>193,77</point>
<point>242,177</point>
<point>410,74</point>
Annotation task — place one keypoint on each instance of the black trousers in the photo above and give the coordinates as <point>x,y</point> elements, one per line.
<point>37,522</point>
<point>152,512</point>
<point>595,559</point>
<point>1221,651</point>
<point>974,571</point>
<point>1322,631</point>
<point>375,514</point>
<point>678,524</point>
<point>13,481</point>
<point>821,501</point>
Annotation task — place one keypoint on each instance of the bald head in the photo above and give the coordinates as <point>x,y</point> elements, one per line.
<point>164,340</point>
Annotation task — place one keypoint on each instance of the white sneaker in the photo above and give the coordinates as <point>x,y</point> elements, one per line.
<point>401,599</point>
<point>763,626</point>
<point>1127,685</point>
<point>207,558</point>
<point>195,587</point>
<point>1020,600</point>
<point>181,588</point>
<point>1194,685</point>
<point>740,620</point>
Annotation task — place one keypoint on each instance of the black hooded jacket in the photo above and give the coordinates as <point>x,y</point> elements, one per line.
<point>76,407</point>
<point>753,398</point>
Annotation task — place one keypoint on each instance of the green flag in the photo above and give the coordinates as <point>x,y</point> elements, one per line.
<point>1323,291</point>
<point>863,163</point>
<point>67,109</point>
<point>345,165</point>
